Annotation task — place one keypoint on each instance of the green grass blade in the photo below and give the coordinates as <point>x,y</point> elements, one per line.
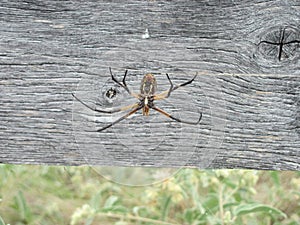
<point>257,207</point>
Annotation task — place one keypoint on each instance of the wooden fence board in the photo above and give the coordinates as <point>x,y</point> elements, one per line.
<point>246,54</point>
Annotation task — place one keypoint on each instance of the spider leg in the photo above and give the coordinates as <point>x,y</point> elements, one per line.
<point>123,84</point>
<point>167,93</point>
<point>176,119</point>
<point>105,111</point>
<point>120,119</point>
<point>186,83</point>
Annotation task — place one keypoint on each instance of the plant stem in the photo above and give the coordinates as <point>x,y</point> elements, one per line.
<point>137,218</point>
<point>221,203</point>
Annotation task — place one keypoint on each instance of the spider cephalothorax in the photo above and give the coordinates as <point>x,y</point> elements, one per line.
<point>146,99</point>
<point>148,85</point>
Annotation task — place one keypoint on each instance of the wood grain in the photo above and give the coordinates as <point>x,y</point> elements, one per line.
<point>249,96</point>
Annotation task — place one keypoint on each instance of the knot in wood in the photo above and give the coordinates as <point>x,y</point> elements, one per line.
<point>280,44</point>
<point>110,95</point>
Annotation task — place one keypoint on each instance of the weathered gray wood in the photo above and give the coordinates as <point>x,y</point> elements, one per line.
<point>247,91</point>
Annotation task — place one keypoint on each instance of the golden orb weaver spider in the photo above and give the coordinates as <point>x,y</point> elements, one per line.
<point>146,99</point>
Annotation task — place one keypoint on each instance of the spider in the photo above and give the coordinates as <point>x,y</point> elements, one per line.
<point>146,99</point>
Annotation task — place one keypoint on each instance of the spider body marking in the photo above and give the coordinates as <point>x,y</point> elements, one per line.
<point>146,99</point>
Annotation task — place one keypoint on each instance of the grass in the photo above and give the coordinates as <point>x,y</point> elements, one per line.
<point>77,195</point>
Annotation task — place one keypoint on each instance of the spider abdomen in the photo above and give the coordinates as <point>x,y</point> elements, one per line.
<point>147,103</point>
<point>148,84</point>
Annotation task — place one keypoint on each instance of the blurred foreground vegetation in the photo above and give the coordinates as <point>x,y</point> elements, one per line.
<point>78,195</point>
